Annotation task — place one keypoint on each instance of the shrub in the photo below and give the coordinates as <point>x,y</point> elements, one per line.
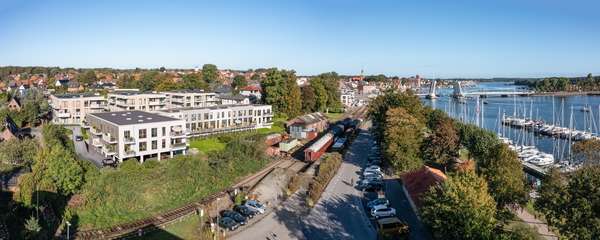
<point>327,169</point>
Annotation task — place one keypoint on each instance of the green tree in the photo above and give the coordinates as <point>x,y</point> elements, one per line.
<point>194,81</point>
<point>571,204</point>
<point>149,80</point>
<point>379,106</point>
<point>86,78</point>
<point>309,103</point>
<point>17,152</point>
<point>330,83</point>
<point>239,81</point>
<point>402,140</point>
<point>460,208</point>
<point>32,228</point>
<point>320,94</point>
<point>587,151</point>
<point>281,91</point>
<point>126,81</point>
<point>505,176</point>
<point>210,73</point>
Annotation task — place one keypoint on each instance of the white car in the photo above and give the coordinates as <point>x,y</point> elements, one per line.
<point>372,174</point>
<point>383,212</point>
<point>373,168</point>
<point>255,205</point>
<point>372,177</point>
<point>371,171</point>
<point>379,206</point>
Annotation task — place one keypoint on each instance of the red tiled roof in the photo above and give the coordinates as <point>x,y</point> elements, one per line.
<point>419,181</point>
<point>251,88</point>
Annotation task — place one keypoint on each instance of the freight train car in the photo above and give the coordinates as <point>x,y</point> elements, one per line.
<point>316,150</point>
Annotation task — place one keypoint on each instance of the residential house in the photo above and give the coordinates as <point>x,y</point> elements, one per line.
<point>230,99</point>
<point>190,99</point>
<point>252,91</point>
<point>14,104</point>
<point>135,100</point>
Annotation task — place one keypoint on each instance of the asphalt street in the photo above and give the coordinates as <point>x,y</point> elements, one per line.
<point>84,152</point>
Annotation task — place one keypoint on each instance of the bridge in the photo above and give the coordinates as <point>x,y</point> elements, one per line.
<point>459,93</point>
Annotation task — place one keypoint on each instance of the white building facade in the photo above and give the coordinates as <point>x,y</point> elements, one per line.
<point>136,134</point>
<point>71,109</point>
<point>223,118</point>
<point>133,100</point>
<point>190,99</point>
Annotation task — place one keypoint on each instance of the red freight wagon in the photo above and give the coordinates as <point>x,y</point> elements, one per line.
<point>317,149</point>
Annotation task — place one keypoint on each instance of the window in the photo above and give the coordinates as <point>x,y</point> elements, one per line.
<point>164,143</point>
<point>127,134</point>
<point>154,145</point>
<point>142,146</point>
<point>154,132</point>
<point>164,131</point>
<point>142,133</point>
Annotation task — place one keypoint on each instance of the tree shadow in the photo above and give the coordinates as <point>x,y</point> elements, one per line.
<point>150,232</point>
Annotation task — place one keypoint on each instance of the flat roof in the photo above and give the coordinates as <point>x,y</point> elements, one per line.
<point>226,106</point>
<point>132,117</point>
<point>77,95</point>
<point>133,93</point>
<point>189,91</point>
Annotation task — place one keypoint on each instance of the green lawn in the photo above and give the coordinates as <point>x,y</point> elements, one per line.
<point>334,117</point>
<point>186,229</point>
<point>207,145</point>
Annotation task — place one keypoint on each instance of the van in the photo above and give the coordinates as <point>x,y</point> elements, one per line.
<point>392,227</point>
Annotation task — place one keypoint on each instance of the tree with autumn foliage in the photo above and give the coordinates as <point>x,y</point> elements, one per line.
<point>442,145</point>
<point>587,151</point>
<point>282,92</point>
<point>403,137</point>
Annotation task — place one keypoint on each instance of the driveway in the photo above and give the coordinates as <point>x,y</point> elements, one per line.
<point>83,151</point>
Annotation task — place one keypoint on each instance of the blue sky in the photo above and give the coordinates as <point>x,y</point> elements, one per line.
<point>504,38</point>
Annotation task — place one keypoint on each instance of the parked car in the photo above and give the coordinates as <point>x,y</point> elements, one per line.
<point>255,205</point>
<point>379,201</point>
<point>244,210</point>
<point>374,186</point>
<point>228,223</point>
<point>383,212</point>
<point>78,138</point>
<point>109,162</point>
<point>373,168</point>
<point>235,216</point>
<point>392,228</point>
<point>372,171</point>
<point>372,175</point>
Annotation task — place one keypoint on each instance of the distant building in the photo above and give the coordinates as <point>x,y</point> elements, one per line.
<point>307,126</point>
<point>11,130</point>
<point>348,98</point>
<point>74,87</point>
<point>136,134</point>
<point>223,118</point>
<point>190,99</point>
<point>71,108</point>
<point>301,81</point>
<point>229,99</point>
<point>252,90</point>
<point>134,100</point>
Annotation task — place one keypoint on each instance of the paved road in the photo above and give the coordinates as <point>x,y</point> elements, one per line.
<point>337,215</point>
<point>82,150</point>
<point>399,201</point>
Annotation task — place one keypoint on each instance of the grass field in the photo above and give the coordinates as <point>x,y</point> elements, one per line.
<point>207,145</point>
<point>135,191</point>
<point>186,229</point>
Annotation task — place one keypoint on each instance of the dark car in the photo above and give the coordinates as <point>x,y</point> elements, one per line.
<point>228,223</point>
<point>373,187</point>
<point>235,216</point>
<point>78,138</point>
<point>244,210</point>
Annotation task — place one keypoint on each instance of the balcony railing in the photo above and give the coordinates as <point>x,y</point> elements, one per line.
<point>95,131</point>
<point>109,151</point>
<point>109,139</point>
<point>179,145</point>
<point>178,134</point>
<point>129,153</point>
<point>63,115</point>
<point>96,143</point>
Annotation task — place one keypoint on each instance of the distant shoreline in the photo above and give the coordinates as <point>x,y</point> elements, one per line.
<point>566,94</point>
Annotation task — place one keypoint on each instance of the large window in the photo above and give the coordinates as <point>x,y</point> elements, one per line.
<point>164,131</point>
<point>142,146</point>
<point>154,132</point>
<point>154,145</point>
<point>142,133</point>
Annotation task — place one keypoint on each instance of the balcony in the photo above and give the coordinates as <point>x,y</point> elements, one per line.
<point>97,106</point>
<point>178,134</point>
<point>129,140</point>
<point>156,103</point>
<point>129,153</point>
<point>94,131</point>
<point>179,145</point>
<point>109,151</point>
<point>96,143</point>
<point>63,115</point>
<point>108,139</point>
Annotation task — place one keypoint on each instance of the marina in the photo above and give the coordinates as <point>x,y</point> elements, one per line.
<point>540,128</point>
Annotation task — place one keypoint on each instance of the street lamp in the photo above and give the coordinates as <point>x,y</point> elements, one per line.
<point>68,225</point>
<point>218,230</point>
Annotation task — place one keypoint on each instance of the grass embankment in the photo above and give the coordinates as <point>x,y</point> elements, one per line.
<point>135,191</point>
<point>327,169</point>
<point>207,145</point>
<point>277,127</point>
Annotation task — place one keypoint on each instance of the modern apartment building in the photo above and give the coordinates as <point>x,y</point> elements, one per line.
<point>72,108</point>
<point>190,99</point>
<point>136,134</point>
<point>229,99</point>
<point>135,100</point>
<point>223,118</point>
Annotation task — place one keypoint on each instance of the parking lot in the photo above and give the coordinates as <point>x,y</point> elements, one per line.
<point>377,185</point>
<point>83,151</point>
